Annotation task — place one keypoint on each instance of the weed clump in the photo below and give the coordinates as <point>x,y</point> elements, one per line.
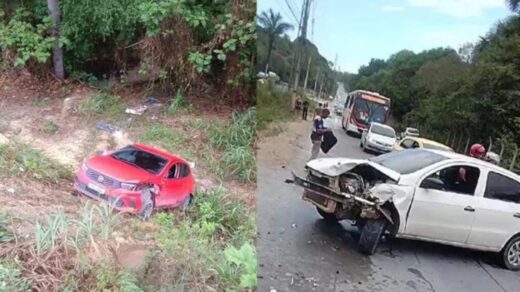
<point>236,140</point>
<point>24,160</point>
<point>105,104</point>
<point>216,230</point>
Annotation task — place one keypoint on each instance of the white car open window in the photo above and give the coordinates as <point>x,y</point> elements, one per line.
<point>460,179</point>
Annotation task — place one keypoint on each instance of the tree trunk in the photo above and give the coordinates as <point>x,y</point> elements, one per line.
<point>269,49</point>
<point>57,52</point>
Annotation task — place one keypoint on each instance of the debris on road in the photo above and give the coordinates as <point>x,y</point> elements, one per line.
<point>294,225</point>
<point>3,140</point>
<point>70,104</point>
<point>136,110</point>
<point>150,100</point>
<point>102,126</point>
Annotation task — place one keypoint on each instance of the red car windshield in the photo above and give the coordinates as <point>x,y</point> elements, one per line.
<point>141,159</point>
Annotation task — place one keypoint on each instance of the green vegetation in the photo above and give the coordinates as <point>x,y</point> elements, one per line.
<point>179,104</point>
<point>283,54</point>
<point>216,230</point>
<point>236,141</point>
<point>5,232</point>
<point>105,104</point>
<point>274,105</point>
<point>50,127</point>
<point>10,278</point>
<point>171,42</point>
<point>23,160</point>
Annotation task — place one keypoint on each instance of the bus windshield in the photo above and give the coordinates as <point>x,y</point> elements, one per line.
<point>367,111</point>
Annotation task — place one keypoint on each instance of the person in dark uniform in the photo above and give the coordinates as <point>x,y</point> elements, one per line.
<point>305,109</point>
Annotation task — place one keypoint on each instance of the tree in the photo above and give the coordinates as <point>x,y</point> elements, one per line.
<point>275,27</point>
<point>514,5</point>
<point>57,53</point>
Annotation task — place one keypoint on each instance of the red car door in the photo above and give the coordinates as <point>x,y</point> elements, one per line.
<point>172,188</point>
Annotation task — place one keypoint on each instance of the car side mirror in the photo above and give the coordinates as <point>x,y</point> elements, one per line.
<point>432,183</point>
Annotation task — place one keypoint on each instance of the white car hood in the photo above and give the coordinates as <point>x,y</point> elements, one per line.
<point>337,166</point>
<point>381,138</point>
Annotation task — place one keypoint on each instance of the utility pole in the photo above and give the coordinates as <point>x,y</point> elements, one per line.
<point>321,86</point>
<point>297,49</point>
<point>302,40</point>
<point>316,80</point>
<point>307,73</point>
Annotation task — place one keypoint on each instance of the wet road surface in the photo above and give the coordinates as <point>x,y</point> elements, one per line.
<point>297,251</point>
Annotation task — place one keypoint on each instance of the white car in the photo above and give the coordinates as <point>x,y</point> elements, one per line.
<point>378,137</point>
<point>411,132</point>
<point>422,194</point>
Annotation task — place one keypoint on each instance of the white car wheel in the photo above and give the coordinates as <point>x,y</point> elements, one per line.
<point>511,254</point>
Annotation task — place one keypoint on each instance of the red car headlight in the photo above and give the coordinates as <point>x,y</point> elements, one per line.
<point>128,186</point>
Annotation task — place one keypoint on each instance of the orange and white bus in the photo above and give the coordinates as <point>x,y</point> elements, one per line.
<point>363,107</point>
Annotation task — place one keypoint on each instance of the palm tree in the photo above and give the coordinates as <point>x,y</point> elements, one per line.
<point>514,5</point>
<point>274,26</point>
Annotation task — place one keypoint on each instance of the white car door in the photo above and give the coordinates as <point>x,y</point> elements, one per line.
<point>443,206</point>
<point>497,215</point>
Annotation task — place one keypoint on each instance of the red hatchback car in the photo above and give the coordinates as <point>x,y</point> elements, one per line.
<point>137,179</point>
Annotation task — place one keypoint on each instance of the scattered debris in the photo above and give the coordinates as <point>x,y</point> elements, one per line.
<point>272,290</point>
<point>7,189</point>
<point>105,127</point>
<point>150,100</point>
<point>70,104</point>
<point>294,225</point>
<point>136,110</point>
<point>3,140</point>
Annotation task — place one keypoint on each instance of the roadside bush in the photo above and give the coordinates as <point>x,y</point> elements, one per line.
<point>211,229</point>
<point>274,105</point>
<point>179,104</point>
<point>236,140</point>
<point>24,41</point>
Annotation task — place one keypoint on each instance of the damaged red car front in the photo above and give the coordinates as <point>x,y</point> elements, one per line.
<point>137,179</point>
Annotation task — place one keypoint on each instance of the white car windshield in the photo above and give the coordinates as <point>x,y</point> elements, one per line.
<point>409,161</point>
<point>380,130</point>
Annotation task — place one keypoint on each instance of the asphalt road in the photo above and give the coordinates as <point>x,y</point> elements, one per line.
<point>297,251</point>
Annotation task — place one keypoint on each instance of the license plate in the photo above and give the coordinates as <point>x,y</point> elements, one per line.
<point>97,188</point>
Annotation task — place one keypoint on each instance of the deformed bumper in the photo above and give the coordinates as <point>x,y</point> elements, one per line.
<point>119,203</point>
<point>327,199</point>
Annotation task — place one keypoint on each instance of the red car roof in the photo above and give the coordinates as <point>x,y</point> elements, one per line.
<point>159,152</point>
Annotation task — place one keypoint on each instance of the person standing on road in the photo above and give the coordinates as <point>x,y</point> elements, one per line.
<point>317,111</point>
<point>305,109</point>
<point>318,130</point>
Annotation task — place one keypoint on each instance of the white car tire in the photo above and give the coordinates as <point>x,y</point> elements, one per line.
<point>510,255</point>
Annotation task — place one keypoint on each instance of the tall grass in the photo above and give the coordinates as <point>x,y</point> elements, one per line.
<point>236,140</point>
<point>179,103</point>
<point>274,105</point>
<point>6,233</point>
<point>11,278</point>
<point>103,103</point>
<point>210,246</point>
